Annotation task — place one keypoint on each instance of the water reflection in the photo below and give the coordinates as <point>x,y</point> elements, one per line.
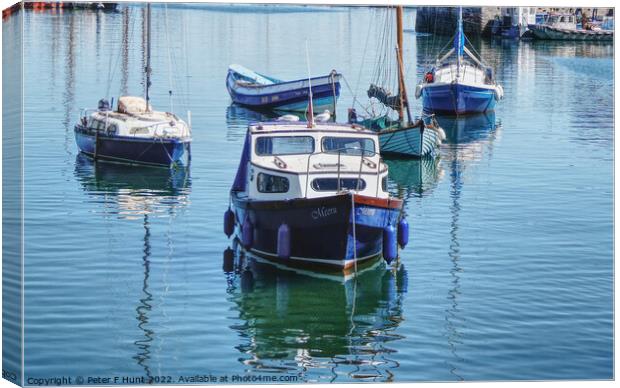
<point>238,118</point>
<point>320,329</point>
<point>137,194</point>
<point>454,320</point>
<point>130,192</point>
<point>144,306</point>
<point>468,138</point>
<point>416,177</point>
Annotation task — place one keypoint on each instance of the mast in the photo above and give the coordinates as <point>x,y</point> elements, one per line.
<point>147,70</point>
<point>402,90</point>
<point>459,42</point>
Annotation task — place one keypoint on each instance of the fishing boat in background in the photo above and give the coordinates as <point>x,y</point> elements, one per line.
<point>314,196</point>
<point>134,133</point>
<point>398,136</point>
<point>564,27</point>
<point>459,85</point>
<point>261,92</point>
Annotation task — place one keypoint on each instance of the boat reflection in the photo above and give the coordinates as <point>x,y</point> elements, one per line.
<point>317,328</point>
<point>133,192</point>
<point>470,135</point>
<point>468,129</point>
<point>138,194</point>
<point>238,118</point>
<point>413,177</point>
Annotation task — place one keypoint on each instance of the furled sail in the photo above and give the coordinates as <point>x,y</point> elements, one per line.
<point>384,96</point>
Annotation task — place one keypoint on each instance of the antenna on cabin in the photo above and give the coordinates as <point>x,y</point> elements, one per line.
<point>310,107</point>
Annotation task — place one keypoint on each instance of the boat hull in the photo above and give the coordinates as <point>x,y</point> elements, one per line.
<point>321,229</point>
<point>132,150</point>
<point>457,99</point>
<point>551,33</point>
<point>413,142</point>
<point>286,96</point>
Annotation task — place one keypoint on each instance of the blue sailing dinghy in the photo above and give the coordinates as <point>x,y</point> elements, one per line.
<point>459,85</point>
<point>261,92</point>
<point>314,196</point>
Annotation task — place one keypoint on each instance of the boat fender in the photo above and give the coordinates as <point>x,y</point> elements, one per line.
<point>247,233</point>
<point>441,133</point>
<point>390,250</point>
<point>418,91</point>
<point>284,241</point>
<point>247,281</point>
<point>229,260</point>
<point>403,232</point>
<point>499,92</point>
<point>229,222</point>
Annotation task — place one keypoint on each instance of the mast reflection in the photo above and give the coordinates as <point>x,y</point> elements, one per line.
<point>137,194</point>
<point>468,138</point>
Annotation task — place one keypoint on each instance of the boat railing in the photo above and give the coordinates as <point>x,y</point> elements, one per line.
<point>364,161</point>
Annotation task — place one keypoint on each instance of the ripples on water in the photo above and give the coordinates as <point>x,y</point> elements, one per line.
<point>508,274</point>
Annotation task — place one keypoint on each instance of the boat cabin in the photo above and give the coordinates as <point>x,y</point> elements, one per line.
<point>289,160</point>
<point>566,21</point>
<point>133,119</point>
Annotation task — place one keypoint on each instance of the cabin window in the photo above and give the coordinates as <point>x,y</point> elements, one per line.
<point>384,183</point>
<point>284,145</point>
<point>331,184</point>
<point>349,145</point>
<point>268,183</point>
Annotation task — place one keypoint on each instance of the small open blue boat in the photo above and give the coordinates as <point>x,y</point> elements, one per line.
<point>315,197</point>
<point>261,92</point>
<point>459,86</point>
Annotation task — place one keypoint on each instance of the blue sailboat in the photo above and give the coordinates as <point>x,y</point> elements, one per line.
<point>459,85</point>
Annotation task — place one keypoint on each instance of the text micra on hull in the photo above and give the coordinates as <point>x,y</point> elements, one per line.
<point>314,196</point>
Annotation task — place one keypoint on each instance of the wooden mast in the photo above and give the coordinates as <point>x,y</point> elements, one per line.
<point>402,90</point>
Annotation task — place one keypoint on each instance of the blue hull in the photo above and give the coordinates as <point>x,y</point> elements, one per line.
<point>289,97</point>
<point>321,229</point>
<point>164,152</point>
<point>457,99</point>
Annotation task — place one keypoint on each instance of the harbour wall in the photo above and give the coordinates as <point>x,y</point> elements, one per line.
<point>477,21</point>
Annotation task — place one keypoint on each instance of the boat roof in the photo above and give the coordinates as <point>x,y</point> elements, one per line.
<point>302,127</point>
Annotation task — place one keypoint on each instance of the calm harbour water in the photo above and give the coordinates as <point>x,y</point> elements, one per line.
<point>509,271</point>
